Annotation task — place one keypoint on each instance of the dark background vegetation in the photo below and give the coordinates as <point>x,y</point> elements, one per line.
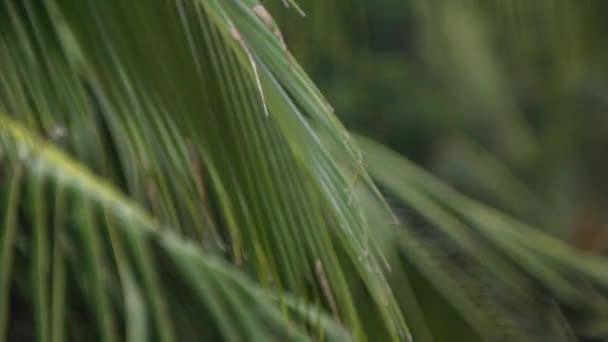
<point>505,100</point>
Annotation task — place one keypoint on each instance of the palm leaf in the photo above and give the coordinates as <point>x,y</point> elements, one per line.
<point>125,246</point>
<point>488,265</point>
<point>195,110</point>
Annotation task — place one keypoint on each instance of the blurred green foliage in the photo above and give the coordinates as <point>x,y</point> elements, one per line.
<point>168,172</point>
<point>503,99</point>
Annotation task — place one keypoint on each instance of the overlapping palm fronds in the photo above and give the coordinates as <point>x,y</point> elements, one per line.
<point>169,172</point>
<point>88,244</point>
<point>196,111</point>
<point>507,280</point>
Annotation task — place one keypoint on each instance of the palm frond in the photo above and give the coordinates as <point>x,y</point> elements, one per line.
<point>130,271</point>
<point>488,265</point>
<point>198,113</point>
<point>168,171</point>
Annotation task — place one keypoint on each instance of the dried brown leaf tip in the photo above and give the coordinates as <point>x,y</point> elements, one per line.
<point>326,288</point>
<point>236,35</point>
<point>268,20</point>
<point>289,3</point>
<point>265,16</point>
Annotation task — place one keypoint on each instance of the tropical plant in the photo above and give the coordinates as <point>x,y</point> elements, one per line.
<point>169,172</point>
<point>503,99</point>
